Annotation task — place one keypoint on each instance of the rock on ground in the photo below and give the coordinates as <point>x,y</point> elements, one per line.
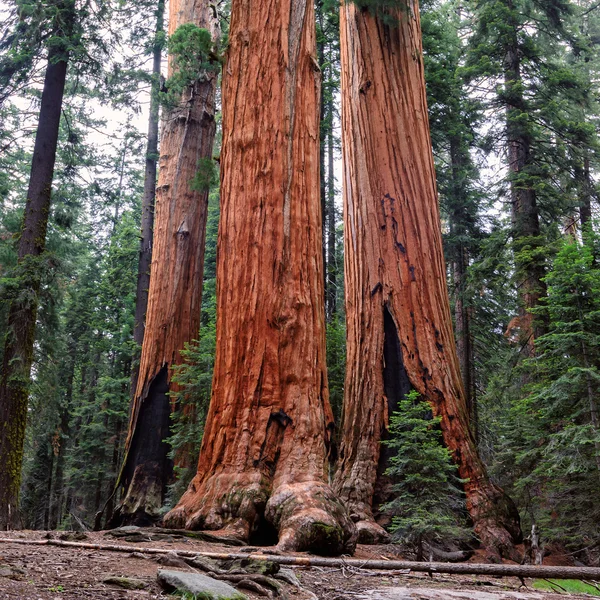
<point>195,583</point>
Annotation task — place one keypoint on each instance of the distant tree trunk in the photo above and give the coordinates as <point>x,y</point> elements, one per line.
<point>175,293</point>
<point>263,460</point>
<point>524,212</point>
<point>19,340</point>
<point>585,196</point>
<point>62,435</point>
<point>331,237</point>
<point>460,262</point>
<point>399,328</point>
<point>145,259</point>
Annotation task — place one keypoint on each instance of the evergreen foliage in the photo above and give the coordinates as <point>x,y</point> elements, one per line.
<point>428,505</point>
<point>534,418</point>
<point>555,425</point>
<point>192,51</point>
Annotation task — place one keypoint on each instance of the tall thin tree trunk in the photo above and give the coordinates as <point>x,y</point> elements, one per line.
<point>18,348</point>
<point>175,293</point>
<point>263,461</point>
<point>145,256</point>
<point>460,260</point>
<point>524,213</point>
<point>62,435</point>
<point>399,328</point>
<point>331,237</point>
<point>322,138</point>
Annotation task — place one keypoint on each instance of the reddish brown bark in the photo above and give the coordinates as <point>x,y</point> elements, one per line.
<point>264,450</point>
<point>174,298</point>
<point>399,328</point>
<point>148,199</point>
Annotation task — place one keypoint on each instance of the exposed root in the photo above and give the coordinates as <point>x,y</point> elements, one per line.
<point>497,524</point>
<point>223,504</point>
<point>370,532</point>
<point>309,517</point>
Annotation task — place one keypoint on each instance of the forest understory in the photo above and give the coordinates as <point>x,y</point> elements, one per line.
<point>30,572</point>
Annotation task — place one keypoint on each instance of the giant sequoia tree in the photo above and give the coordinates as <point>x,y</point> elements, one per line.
<point>399,327</point>
<point>174,297</point>
<point>263,461</point>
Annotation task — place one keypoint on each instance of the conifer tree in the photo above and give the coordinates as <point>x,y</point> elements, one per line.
<point>263,460</point>
<point>19,339</point>
<point>428,504</point>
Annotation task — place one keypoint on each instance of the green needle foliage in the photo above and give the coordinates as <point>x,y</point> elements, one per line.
<point>429,505</point>
<point>193,53</point>
<point>559,431</point>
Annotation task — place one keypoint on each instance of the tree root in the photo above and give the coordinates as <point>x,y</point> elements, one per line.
<point>370,532</point>
<point>230,508</point>
<point>309,517</point>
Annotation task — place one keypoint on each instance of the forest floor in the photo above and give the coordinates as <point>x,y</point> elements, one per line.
<point>38,572</point>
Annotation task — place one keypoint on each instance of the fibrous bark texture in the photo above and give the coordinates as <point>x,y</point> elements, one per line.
<point>263,461</point>
<point>399,329</point>
<point>148,200</point>
<point>20,335</point>
<point>174,298</point>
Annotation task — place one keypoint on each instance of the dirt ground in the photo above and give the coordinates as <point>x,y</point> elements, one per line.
<point>31,572</point>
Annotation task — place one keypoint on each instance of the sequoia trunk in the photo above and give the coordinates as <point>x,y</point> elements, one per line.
<point>20,336</point>
<point>263,461</point>
<point>174,298</point>
<point>145,257</point>
<point>399,328</point>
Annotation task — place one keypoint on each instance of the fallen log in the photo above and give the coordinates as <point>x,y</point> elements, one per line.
<point>512,570</point>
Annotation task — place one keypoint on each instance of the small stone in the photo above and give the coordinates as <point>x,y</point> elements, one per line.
<point>123,531</point>
<point>288,576</point>
<point>127,583</point>
<point>11,572</point>
<point>250,565</point>
<point>205,564</point>
<point>196,583</point>
<point>171,559</point>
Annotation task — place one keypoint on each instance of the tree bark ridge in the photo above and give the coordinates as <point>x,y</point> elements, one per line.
<point>264,451</point>
<point>395,272</point>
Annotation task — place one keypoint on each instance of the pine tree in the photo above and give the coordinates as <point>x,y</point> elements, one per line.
<point>556,428</point>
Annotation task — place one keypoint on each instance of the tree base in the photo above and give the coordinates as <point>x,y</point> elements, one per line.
<point>143,500</point>
<point>497,525</point>
<point>227,502</point>
<point>307,516</point>
<point>371,533</point>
